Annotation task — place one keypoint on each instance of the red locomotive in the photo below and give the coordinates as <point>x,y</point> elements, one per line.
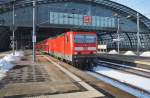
<point>79,48</point>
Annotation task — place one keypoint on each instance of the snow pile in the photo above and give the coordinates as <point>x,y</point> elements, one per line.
<point>19,53</point>
<point>131,79</point>
<point>113,52</point>
<point>12,58</point>
<point>145,54</point>
<point>5,63</point>
<point>5,66</point>
<point>129,53</point>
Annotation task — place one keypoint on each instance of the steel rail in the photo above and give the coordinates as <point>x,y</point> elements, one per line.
<point>142,91</point>
<point>127,69</point>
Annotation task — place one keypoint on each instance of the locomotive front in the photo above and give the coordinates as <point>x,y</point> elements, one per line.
<point>85,49</point>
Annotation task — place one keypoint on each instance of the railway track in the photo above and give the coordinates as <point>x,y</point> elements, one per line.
<point>138,92</point>
<point>133,90</point>
<point>107,72</point>
<point>128,69</point>
<point>108,90</point>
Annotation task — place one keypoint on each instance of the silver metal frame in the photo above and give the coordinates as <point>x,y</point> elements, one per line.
<point>13,27</point>
<point>34,30</point>
<point>138,35</point>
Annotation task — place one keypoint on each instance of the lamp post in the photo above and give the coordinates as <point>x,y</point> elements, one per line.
<point>13,27</point>
<point>118,35</point>
<point>34,29</point>
<point>138,34</point>
<point>118,32</point>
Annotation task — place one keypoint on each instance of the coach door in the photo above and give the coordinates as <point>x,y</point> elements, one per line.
<point>66,47</point>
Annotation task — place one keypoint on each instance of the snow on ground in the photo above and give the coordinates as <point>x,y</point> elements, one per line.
<point>2,74</point>
<point>122,65</point>
<point>19,53</point>
<point>113,52</point>
<point>129,53</point>
<point>5,63</point>
<point>128,89</point>
<point>12,58</point>
<point>145,54</point>
<point>138,81</point>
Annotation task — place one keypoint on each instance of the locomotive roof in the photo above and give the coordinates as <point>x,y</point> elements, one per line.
<point>57,36</point>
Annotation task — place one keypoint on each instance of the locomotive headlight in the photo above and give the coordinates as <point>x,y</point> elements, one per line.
<point>94,52</point>
<point>75,53</point>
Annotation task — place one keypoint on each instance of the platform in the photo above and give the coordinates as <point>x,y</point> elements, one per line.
<point>2,54</point>
<point>44,79</point>
<point>51,78</point>
<point>142,62</point>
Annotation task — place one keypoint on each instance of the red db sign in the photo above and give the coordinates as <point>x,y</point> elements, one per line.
<point>87,19</point>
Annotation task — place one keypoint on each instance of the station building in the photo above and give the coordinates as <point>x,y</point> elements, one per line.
<point>54,17</point>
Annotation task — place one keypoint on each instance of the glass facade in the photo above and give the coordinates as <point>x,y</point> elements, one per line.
<point>128,40</point>
<point>72,14</point>
<point>78,20</point>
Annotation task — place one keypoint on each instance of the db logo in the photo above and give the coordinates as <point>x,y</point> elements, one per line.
<point>87,19</point>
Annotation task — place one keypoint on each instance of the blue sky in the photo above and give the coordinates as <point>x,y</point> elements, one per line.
<point>142,6</point>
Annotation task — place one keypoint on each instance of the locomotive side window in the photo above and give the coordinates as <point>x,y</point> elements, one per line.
<point>67,39</point>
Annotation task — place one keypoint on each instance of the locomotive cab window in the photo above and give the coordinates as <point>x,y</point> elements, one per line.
<point>79,38</point>
<point>90,38</point>
<point>85,38</point>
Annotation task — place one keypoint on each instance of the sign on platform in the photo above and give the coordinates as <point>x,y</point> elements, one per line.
<point>102,46</point>
<point>12,27</point>
<point>34,38</point>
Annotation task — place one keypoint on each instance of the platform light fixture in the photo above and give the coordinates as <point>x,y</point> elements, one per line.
<point>118,32</point>
<point>138,32</point>
<point>13,27</point>
<point>34,29</point>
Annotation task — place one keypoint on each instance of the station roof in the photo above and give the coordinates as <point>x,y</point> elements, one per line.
<point>6,5</point>
<point>126,11</point>
<point>4,1</point>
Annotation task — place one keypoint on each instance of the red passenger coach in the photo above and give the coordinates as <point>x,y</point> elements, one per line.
<point>42,46</point>
<point>79,48</point>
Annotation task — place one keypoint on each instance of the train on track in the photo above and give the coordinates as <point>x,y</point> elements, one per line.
<point>77,48</point>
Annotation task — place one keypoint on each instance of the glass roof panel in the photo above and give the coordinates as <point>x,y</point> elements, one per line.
<point>4,1</point>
